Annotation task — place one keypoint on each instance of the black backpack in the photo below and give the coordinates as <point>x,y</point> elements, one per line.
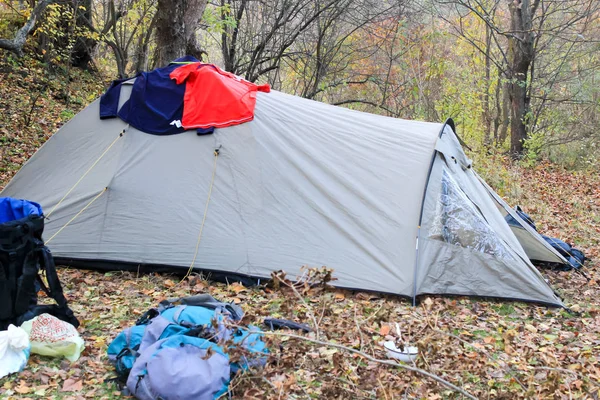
<point>22,256</point>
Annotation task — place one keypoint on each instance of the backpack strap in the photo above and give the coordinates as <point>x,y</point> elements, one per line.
<point>25,286</point>
<point>204,300</point>
<point>218,333</point>
<point>3,271</point>
<point>54,289</point>
<point>218,328</point>
<point>13,273</point>
<point>147,316</point>
<point>6,300</point>
<point>177,314</point>
<point>128,349</point>
<point>19,274</point>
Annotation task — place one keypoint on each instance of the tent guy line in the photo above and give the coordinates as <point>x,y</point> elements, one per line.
<point>77,215</point>
<point>210,188</point>
<point>88,170</point>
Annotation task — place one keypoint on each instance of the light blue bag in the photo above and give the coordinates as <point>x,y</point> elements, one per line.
<point>194,330</point>
<point>127,346</point>
<point>123,350</point>
<point>180,367</point>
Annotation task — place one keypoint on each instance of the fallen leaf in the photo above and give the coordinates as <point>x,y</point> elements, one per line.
<point>385,329</point>
<point>540,376</point>
<point>23,388</point>
<point>508,349</point>
<point>237,287</point>
<point>72,385</point>
<point>576,307</point>
<point>169,283</point>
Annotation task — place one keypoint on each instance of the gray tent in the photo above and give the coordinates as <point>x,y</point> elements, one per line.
<point>391,205</point>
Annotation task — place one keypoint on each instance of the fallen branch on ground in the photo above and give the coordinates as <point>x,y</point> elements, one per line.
<point>309,309</point>
<point>569,371</point>
<point>368,357</point>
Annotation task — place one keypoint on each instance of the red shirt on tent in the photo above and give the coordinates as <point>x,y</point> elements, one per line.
<point>215,98</point>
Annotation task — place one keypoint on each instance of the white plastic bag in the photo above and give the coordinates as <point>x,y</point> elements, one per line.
<point>14,350</point>
<point>50,336</point>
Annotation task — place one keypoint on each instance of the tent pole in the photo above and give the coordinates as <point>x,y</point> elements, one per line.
<point>449,122</point>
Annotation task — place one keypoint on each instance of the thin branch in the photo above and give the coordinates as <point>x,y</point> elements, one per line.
<point>370,358</point>
<point>483,17</point>
<point>309,309</point>
<point>358,329</point>
<point>570,371</point>
<point>16,44</point>
<point>370,103</point>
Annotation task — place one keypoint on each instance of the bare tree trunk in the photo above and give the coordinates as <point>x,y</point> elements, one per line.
<point>487,116</point>
<point>110,25</point>
<point>229,39</point>
<point>81,55</point>
<point>505,112</point>
<point>120,51</point>
<point>142,49</point>
<point>141,61</point>
<point>497,120</point>
<point>520,56</point>
<point>120,59</point>
<point>176,24</point>
<point>16,45</point>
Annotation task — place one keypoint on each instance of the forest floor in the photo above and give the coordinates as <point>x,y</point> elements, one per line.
<point>497,350</point>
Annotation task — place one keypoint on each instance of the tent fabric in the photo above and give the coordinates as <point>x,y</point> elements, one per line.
<point>463,253</point>
<point>466,247</point>
<point>536,248</point>
<point>302,184</point>
<point>14,209</point>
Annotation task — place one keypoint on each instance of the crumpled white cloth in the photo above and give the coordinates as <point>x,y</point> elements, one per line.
<point>14,350</point>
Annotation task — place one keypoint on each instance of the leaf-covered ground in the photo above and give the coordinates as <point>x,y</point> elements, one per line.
<point>491,349</point>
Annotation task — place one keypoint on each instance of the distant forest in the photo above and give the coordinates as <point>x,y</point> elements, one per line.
<point>520,77</point>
